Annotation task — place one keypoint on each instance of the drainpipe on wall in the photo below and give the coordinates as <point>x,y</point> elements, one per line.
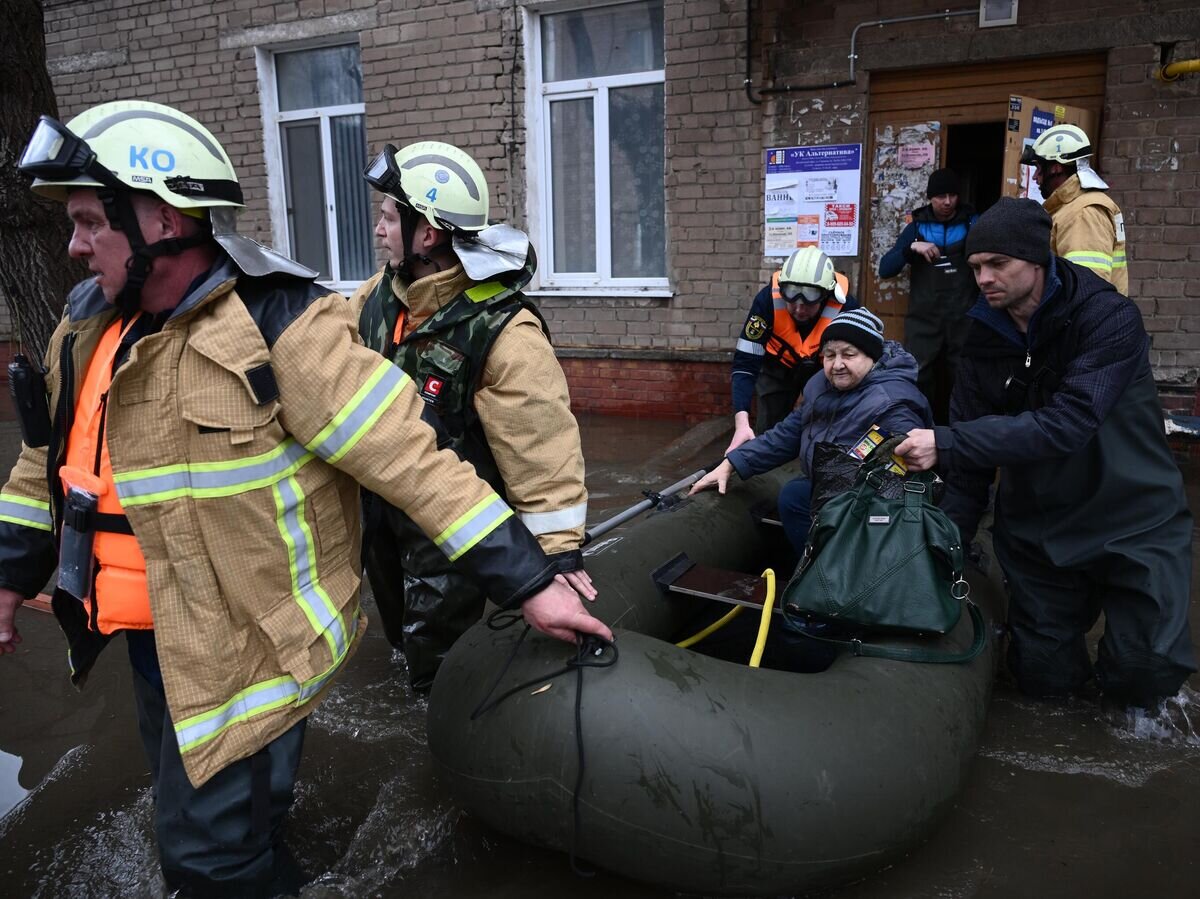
<point>791,88</point>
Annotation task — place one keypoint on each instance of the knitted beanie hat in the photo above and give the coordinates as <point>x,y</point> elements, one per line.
<point>1019,228</point>
<point>858,327</point>
<point>943,181</point>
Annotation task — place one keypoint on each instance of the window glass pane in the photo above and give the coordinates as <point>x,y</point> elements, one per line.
<point>608,40</point>
<point>324,76</point>
<point>305,194</point>
<point>637,190</point>
<point>573,185</point>
<point>355,250</point>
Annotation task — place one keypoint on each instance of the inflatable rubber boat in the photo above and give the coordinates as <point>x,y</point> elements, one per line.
<point>699,774</point>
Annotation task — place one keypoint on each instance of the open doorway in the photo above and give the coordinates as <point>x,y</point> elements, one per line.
<point>976,152</point>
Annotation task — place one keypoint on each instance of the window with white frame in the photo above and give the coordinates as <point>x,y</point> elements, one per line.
<point>596,131</point>
<point>316,152</point>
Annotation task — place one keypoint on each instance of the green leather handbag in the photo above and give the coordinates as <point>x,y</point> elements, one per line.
<point>889,565</point>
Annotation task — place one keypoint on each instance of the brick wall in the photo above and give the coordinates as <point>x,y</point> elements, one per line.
<point>454,70</point>
<point>1149,137</point>
<point>1151,150</point>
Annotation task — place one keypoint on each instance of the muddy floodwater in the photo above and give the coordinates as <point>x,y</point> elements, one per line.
<point>1062,800</point>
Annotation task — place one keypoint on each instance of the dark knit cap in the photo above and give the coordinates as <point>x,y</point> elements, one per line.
<point>1019,228</point>
<point>943,181</point>
<point>858,327</point>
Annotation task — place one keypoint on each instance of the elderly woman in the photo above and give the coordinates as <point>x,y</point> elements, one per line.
<point>865,381</point>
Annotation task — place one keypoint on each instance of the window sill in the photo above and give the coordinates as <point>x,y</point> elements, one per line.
<point>615,292</point>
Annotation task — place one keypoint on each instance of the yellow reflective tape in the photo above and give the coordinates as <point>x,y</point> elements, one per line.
<point>347,410</point>
<point>485,291</point>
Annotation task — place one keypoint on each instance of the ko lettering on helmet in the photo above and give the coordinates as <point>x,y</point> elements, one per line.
<point>160,160</point>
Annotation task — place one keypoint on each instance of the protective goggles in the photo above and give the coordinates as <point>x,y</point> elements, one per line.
<point>803,293</point>
<point>383,174</point>
<point>55,154</point>
<point>1028,157</point>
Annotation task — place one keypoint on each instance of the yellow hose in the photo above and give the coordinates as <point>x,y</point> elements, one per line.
<point>764,623</point>
<point>712,628</point>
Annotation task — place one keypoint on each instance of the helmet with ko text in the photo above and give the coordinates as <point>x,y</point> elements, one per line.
<point>136,145</point>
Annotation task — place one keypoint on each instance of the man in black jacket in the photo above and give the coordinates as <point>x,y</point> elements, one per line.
<point>1055,389</point>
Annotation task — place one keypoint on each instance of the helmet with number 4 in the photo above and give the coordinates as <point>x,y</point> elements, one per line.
<point>439,181</point>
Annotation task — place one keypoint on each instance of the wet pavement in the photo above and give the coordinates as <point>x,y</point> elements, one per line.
<point>1061,800</point>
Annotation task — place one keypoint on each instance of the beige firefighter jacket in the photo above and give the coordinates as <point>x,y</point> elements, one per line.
<point>525,409</point>
<point>247,512</point>
<point>1088,229</point>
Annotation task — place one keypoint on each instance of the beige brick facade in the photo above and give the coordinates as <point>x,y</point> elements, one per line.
<point>454,70</point>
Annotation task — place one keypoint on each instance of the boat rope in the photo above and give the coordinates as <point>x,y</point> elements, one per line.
<point>591,652</point>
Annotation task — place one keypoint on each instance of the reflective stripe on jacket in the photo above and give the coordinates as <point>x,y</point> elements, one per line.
<point>1089,230</point>
<point>500,391</point>
<point>237,434</point>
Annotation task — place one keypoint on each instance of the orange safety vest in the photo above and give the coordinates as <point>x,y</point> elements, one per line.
<point>785,342</point>
<point>120,592</point>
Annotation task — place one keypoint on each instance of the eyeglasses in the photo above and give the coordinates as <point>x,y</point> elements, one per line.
<point>54,153</point>
<point>804,293</point>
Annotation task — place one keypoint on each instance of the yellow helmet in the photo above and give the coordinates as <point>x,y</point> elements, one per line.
<point>135,145</point>
<point>439,181</point>
<point>807,275</point>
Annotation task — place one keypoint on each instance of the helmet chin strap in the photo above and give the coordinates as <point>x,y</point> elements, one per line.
<point>118,207</point>
<point>409,218</point>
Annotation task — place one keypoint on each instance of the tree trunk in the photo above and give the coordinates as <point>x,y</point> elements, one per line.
<point>35,271</point>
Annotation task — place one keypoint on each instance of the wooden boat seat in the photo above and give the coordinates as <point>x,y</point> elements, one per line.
<point>683,576</point>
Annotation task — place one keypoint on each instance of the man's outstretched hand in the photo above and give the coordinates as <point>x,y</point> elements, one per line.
<point>557,611</point>
<point>919,450</point>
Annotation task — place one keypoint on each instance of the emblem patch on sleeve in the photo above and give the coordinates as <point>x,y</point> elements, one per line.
<point>432,388</point>
<point>756,327</point>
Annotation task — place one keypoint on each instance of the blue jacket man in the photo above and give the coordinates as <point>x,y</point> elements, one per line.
<point>941,286</point>
<point>1055,389</point>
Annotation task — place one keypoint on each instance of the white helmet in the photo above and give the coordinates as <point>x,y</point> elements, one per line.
<point>1061,143</point>
<point>807,275</point>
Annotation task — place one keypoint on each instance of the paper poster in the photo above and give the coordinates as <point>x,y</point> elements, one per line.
<point>916,156</point>
<point>812,197</point>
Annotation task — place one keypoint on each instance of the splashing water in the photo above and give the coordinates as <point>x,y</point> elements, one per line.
<point>1173,722</point>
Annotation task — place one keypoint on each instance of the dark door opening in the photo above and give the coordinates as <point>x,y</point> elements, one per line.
<point>976,153</point>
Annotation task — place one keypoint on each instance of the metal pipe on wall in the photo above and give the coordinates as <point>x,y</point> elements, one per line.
<point>790,88</point>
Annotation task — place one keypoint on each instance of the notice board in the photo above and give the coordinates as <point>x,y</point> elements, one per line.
<point>812,197</point>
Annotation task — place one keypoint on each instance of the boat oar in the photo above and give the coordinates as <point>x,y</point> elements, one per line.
<point>653,500</point>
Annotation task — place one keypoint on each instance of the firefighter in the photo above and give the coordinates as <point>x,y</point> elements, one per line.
<point>447,309</point>
<point>1088,228</point>
<point>778,348</point>
<point>209,413</point>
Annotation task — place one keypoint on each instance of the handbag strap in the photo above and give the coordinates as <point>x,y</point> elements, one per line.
<point>928,656</point>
